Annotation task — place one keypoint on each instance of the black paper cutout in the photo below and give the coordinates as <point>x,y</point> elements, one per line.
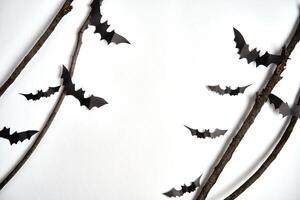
<point>16,136</point>
<point>184,189</point>
<point>69,89</point>
<point>40,93</point>
<point>244,52</point>
<point>279,105</point>
<point>101,28</point>
<point>206,133</point>
<point>228,90</point>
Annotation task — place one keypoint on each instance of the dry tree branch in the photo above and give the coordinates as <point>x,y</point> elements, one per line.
<point>268,161</point>
<point>65,9</point>
<point>53,112</point>
<point>261,98</point>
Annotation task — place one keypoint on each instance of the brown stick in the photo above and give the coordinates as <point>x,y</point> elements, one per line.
<point>261,98</point>
<point>66,8</point>
<point>52,114</point>
<point>268,161</point>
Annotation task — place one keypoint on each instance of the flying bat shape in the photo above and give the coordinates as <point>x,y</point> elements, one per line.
<point>282,107</point>
<point>16,136</point>
<point>40,93</point>
<point>101,28</point>
<point>184,189</point>
<point>228,90</point>
<point>206,133</point>
<point>244,52</point>
<point>69,89</point>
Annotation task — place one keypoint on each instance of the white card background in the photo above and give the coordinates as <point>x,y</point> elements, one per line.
<point>136,147</point>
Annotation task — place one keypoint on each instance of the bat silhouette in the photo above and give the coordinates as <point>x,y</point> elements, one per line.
<point>16,136</point>
<point>40,93</point>
<point>228,90</point>
<point>69,89</point>
<point>244,52</point>
<point>206,133</point>
<point>184,189</point>
<point>101,28</point>
<point>282,107</point>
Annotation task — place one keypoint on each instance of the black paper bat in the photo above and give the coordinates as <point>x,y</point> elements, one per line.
<point>69,89</point>
<point>228,90</point>
<point>243,50</point>
<point>282,107</point>
<point>40,93</point>
<point>184,189</point>
<point>206,133</point>
<point>101,28</point>
<point>16,136</point>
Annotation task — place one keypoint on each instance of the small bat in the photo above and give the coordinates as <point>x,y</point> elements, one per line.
<point>101,28</point>
<point>16,136</point>
<point>282,107</point>
<point>40,93</point>
<point>69,89</point>
<point>206,133</point>
<point>184,189</point>
<point>228,90</point>
<point>243,50</point>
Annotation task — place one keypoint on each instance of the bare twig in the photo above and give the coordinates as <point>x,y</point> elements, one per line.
<point>66,8</point>
<point>54,111</point>
<point>268,161</point>
<point>261,98</point>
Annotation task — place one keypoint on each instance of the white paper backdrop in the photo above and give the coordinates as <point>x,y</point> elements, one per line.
<point>136,147</point>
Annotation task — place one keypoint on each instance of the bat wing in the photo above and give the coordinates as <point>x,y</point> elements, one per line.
<point>65,75</point>
<point>244,52</point>
<point>173,193</point>
<point>101,28</point>
<point>282,107</point>
<point>16,136</point>
<point>195,132</point>
<point>217,89</point>
<point>29,96</point>
<point>268,59</point>
<point>242,89</point>
<point>240,42</point>
<point>217,133</point>
<point>21,136</point>
<point>95,102</point>
<point>40,93</point>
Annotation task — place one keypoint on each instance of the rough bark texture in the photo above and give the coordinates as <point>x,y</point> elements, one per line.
<point>261,98</point>
<point>268,161</point>
<point>52,114</point>
<point>66,8</point>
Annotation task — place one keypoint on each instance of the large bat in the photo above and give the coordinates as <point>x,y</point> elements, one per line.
<point>40,93</point>
<point>16,136</point>
<point>184,189</point>
<point>243,50</point>
<point>101,28</point>
<point>206,133</point>
<point>282,107</point>
<point>228,90</point>
<point>69,89</point>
